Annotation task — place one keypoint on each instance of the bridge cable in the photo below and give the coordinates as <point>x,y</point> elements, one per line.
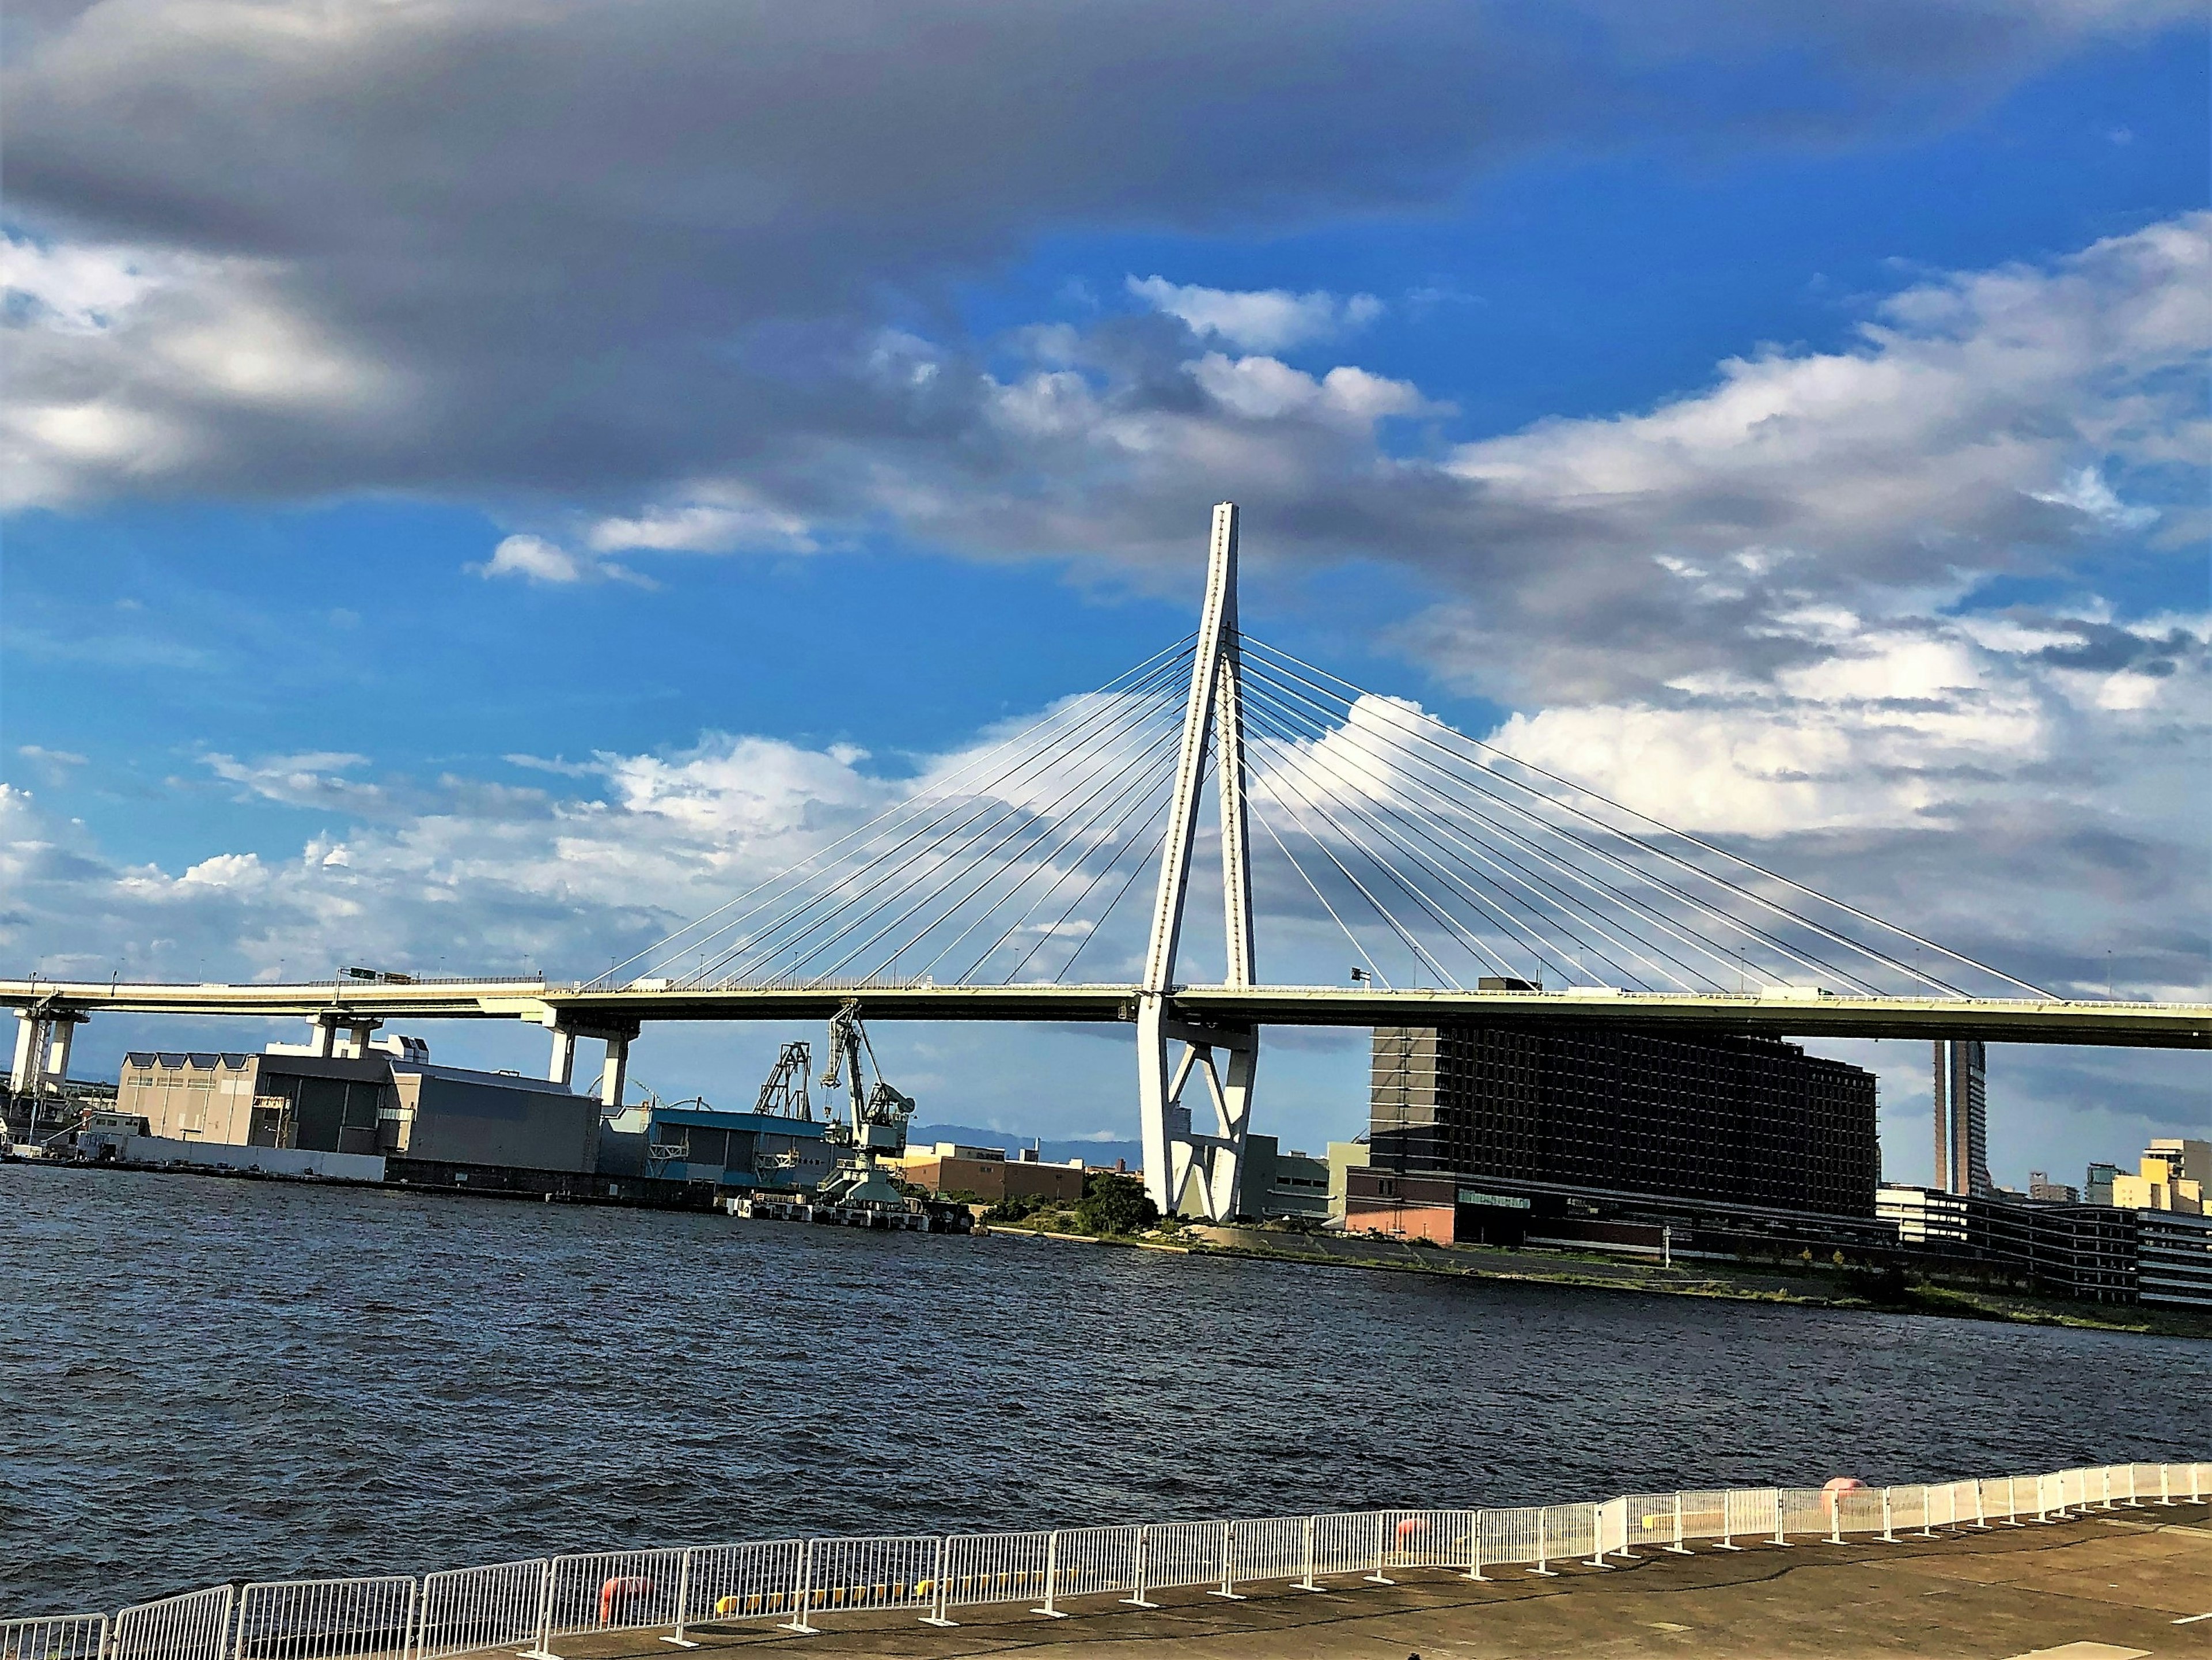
<point>1694,840</point>
<point>1183,648</point>
<point>1561,901</point>
<point>1380,734</point>
<point>876,898</point>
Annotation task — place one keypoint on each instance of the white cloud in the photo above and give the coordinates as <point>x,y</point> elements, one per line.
<point>1257,320</point>
<point>716,519</point>
<point>534,559</point>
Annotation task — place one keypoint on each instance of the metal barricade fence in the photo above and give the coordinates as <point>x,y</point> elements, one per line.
<point>1347,1542</point>
<point>308,1618</point>
<point>1508,1537</point>
<point>1652,1519</point>
<point>1171,1554</point>
<point>608,1590</point>
<point>1705,1514</point>
<point>193,1627</point>
<point>1428,1539</point>
<point>1611,1530</point>
<point>1939,1506</point>
<point>1270,1548</point>
<point>54,1637</point>
<point>1804,1511</point>
<point>727,1584</point>
<point>1746,1512</point>
<point>1092,1562</point>
<point>1861,1510</point>
<point>993,1567</point>
<point>502,1605</point>
<point>879,1571</point>
<point>1567,1532</point>
<point>497,1605</point>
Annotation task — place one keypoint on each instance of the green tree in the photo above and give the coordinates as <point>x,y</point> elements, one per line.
<point>1116,1204</point>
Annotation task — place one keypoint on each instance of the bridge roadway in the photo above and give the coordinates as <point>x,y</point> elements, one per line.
<point>1800,1014</point>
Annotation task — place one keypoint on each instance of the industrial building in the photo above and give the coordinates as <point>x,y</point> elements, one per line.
<point>1748,1123</point>
<point>323,1103</point>
<point>382,1101</point>
<point>691,1141</point>
<point>1278,1184</point>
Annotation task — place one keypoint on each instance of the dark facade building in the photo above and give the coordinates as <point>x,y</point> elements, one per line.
<point>1962,1117</point>
<point>1740,1121</point>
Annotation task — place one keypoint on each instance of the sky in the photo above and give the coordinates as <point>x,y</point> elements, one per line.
<point>479,478</point>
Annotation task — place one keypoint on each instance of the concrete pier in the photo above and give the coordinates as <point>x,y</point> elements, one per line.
<point>2107,1587</point>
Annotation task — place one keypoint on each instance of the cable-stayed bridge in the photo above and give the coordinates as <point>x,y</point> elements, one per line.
<point>1047,876</point>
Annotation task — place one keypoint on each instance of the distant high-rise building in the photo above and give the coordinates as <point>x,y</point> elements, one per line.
<point>2097,1186</point>
<point>2040,1185</point>
<point>1962,1130</point>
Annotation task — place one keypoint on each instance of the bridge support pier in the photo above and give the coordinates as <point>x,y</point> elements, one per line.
<point>42,1050</point>
<point>1213,1161</point>
<point>614,1071</point>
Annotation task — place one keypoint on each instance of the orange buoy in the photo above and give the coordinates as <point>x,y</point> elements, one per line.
<point>621,1589</point>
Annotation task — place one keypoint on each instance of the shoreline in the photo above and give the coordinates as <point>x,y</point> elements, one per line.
<point>1714,1282</point>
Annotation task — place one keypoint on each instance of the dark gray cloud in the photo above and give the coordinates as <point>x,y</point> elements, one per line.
<point>501,249</point>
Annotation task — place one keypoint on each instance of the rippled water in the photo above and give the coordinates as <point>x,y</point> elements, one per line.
<point>203,1379</point>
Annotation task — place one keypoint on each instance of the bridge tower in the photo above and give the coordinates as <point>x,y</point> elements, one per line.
<point>1183,1165</point>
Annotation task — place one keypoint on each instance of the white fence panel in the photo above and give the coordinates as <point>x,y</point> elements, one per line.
<point>494,1607</point>
<point>1092,1562</point>
<point>883,1570</point>
<point>1505,1538</point>
<point>1939,1506</point>
<point>610,1590</point>
<point>308,1618</point>
<point>1861,1510</point>
<point>994,1567</point>
<point>1269,1548</point>
<point>193,1627</point>
<point>2076,1488</point>
<point>1612,1528</point>
<point>1568,1530</point>
<point>727,1584</point>
<point>1750,1513</point>
<point>1653,1519</point>
<point>1804,1512</point>
<point>1705,1514</point>
<point>1347,1542</point>
<point>54,1637</point>
<point>1428,1539</point>
<point>1184,1554</point>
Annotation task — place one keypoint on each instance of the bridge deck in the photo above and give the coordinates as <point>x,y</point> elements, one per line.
<point>2150,1026</point>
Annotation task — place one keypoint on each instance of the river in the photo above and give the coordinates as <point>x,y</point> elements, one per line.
<point>208,1379</point>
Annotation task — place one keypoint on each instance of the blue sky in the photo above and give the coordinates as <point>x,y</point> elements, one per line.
<point>503,496</point>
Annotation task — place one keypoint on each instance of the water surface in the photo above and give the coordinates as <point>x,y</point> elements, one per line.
<point>207,1379</point>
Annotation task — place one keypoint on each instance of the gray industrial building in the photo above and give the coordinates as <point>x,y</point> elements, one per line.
<point>378,1103</point>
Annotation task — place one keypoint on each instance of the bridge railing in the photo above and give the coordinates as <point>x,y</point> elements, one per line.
<point>537,1606</point>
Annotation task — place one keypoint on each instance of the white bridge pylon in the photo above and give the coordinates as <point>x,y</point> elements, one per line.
<point>1186,1169</point>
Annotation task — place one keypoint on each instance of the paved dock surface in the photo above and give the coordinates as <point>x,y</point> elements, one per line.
<point>2104,1588</point>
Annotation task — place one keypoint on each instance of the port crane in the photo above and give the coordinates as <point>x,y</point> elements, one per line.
<point>879,1121</point>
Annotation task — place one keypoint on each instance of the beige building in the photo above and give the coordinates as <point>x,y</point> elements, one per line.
<point>326,1104</point>
<point>2157,1186</point>
<point>990,1175</point>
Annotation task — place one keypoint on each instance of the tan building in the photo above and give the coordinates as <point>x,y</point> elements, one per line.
<point>990,1175</point>
<point>325,1103</point>
<point>2156,1186</point>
